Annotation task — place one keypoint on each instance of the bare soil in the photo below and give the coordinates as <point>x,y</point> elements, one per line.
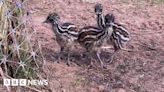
<point>141,70</point>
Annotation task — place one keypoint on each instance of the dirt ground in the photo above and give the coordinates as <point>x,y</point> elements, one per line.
<point>139,71</point>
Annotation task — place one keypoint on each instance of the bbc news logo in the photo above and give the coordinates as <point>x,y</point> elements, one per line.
<point>23,82</point>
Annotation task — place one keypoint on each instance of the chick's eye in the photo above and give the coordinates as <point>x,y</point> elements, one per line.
<point>51,19</point>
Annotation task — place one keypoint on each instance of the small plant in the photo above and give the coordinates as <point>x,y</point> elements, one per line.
<point>19,58</point>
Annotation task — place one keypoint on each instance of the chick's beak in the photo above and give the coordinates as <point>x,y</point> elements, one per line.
<point>45,21</point>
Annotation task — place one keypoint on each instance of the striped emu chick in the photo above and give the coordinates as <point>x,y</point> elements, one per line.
<point>66,34</point>
<point>119,36</point>
<point>92,38</point>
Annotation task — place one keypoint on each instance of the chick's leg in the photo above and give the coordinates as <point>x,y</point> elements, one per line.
<point>61,54</point>
<point>99,58</point>
<point>89,54</point>
<point>68,58</point>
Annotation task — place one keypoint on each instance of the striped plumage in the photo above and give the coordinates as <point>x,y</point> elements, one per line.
<point>92,39</point>
<point>119,35</point>
<point>89,37</point>
<point>100,17</point>
<point>66,34</point>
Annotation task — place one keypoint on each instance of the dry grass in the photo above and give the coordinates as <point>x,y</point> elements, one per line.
<point>19,57</point>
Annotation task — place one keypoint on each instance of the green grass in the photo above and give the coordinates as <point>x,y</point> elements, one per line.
<point>18,57</point>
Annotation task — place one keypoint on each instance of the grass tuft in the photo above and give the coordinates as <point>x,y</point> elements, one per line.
<point>19,57</point>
